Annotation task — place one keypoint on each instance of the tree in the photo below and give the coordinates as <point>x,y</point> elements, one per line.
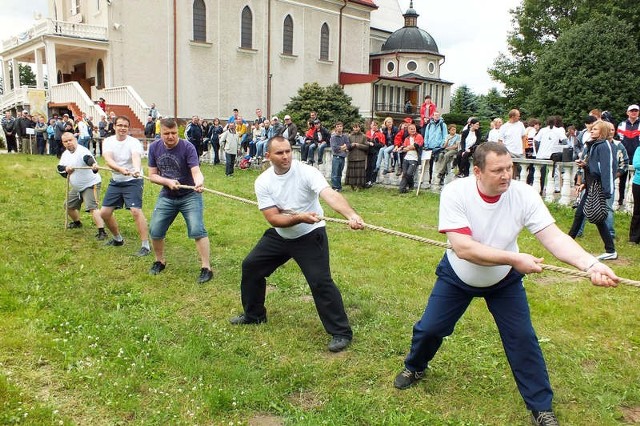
<point>25,73</point>
<point>27,77</point>
<point>464,101</point>
<point>538,24</point>
<point>575,74</point>
<point>331,104</point>
<point>492,104</point>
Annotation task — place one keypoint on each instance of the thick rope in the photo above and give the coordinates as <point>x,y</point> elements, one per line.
<point>559,269</point>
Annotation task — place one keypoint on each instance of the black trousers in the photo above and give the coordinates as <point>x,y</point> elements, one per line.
<point>634,229</point>
<point>603,229</point>
<point>311,253</point>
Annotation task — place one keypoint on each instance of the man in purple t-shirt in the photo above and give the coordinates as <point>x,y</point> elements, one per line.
<point>173,163</point>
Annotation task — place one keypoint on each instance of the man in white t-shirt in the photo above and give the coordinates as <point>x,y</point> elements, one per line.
<point>482,216</point>
<point>123,155</point>
<point>288,196</point>
<point>513,135</point>
<point>84,183</point>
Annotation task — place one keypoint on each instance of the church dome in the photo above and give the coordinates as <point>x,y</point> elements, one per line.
<point>410,38</point>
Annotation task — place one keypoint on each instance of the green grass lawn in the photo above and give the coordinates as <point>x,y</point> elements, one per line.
<point>87,337</point>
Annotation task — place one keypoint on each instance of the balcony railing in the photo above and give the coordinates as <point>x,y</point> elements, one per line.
<point>72,92</point>
<point>392,108</point>
<point>126,95</point>
<point>14,97</point>
<point>61,28</point>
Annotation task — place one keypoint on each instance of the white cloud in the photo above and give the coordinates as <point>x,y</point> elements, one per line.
<point>470,34</point>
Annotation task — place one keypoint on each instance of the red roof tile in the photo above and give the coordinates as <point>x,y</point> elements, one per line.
<point>369,3</point>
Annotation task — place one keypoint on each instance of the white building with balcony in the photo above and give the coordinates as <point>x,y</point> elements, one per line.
<point>207,57</point>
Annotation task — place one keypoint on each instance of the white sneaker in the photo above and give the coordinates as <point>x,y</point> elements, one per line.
<point>608,256</point>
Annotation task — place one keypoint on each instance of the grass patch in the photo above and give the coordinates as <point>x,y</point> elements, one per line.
<point>88,337</point>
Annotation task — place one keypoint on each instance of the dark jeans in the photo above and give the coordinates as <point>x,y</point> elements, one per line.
<point>408,173</point>
<point>42,145</point>
<point>304,151</point>
<point>215,146</point>
<point>372,172</point>
<point>507,302</point>
<point>634,229</point>
<point>230,161</point>
<point>337,166</point>
<point>12,144</point>
<point>622,185</point>
<point>603,229</point>
<point>311,253</point>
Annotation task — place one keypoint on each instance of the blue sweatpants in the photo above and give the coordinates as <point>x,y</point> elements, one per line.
<point>507,302</point>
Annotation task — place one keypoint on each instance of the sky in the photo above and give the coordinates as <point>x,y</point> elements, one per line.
<point>470,33</point>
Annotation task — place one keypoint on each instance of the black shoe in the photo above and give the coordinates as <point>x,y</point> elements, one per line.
<point>544,418</point>
<point>319,162</point>
<point>156,268</point>
<point>101,235</point>
<point>142,252</point>
<point>205,275</point>
<point>407,378</point>
<point>368,184</point>
<point>74,225</point>
<point>243,320</point>
<point>339,343</point>
<point>113,242</point>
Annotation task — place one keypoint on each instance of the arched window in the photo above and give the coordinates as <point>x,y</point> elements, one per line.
<point>100,74</point>
<point>199,20</point>
<point>324,42</point>
<point>287,36</point>
<point>246,29</point>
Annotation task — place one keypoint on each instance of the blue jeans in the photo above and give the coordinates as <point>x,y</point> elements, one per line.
<point>84,141</point>
<point>260,147</point>
<point>507,302</point>
<point>609,220</point>
<point>337,166</point>
<point>386,156</point>
<point>312,149</point>
<point>166,210</point>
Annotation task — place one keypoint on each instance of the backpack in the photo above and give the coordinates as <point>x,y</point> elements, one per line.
<point>245,162</point>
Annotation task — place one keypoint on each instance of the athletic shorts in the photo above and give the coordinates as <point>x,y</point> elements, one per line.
<point>89,196</point>
<point>127,194</point>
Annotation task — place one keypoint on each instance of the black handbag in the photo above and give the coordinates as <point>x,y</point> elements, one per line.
<point>595,205</point>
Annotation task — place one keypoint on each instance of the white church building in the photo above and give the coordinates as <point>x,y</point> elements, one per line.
<point>207,57</point>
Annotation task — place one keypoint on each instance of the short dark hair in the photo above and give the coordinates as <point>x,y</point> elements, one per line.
<point>269,142</point>
<point>169,123</point>
<point>121,117</point>
<point>480,155</point>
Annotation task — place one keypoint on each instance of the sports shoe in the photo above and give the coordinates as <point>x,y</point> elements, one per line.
<point>243,320</point>
<point>205,275</point>
<point>156,268</point>
<point>101,235</point>
<point>142,252</point>
<point>544,418</point>
<point>407,378</point>
<point>338,343</point>
<point>608,256</point>
<point>74,225</point>
<point>113,242</point>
